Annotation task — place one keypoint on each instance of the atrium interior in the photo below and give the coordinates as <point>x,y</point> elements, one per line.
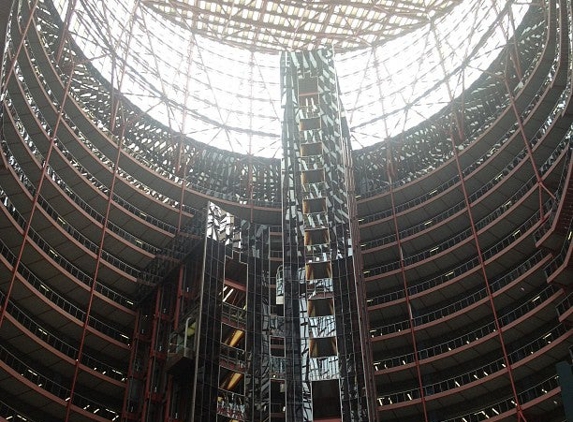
<point>268,211</point>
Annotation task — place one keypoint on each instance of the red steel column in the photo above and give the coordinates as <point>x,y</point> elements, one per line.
<point>498,327</point>
<point>538,177</point>
<point>115,102</point>
<point>95,277</point>
<point>390,174</point>
<point>456,132</point>
<point>22,39</point>
<point>39,185</point>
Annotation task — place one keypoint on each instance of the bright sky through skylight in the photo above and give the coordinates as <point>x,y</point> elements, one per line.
<point>229,97</point>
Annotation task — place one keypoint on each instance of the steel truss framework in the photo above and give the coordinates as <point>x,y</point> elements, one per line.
<point>278,26</point>
<point>229,97</point>
<point>107,229</point>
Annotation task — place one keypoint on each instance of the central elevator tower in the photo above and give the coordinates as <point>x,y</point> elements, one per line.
<point>328,359</point>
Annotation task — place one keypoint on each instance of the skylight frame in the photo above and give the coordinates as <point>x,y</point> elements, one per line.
<point>229,97</point>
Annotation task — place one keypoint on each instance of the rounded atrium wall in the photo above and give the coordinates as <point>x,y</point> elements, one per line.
<point>147,270</point>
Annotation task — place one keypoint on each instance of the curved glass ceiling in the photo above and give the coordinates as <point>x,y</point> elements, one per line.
<point>229,97</point>
<point>277,25</point>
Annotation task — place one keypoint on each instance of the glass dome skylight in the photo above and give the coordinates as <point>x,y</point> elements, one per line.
<point>276,25</point>
<point>210,69</point>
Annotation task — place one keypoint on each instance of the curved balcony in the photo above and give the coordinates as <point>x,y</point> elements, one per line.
<point>40,289</point>
<point>48,253</point>
<point>498,248</point>
<point>474,334</point>
<point>70,234</point>
<point>439,221</point>
<point>69,130</point>
<point>10,413</point>
<point>565,309</point>
<point>44,336</point>
<point>480,194</point>
<point>542,58</point>
<point>79,173</point>
<point>505,317</point>
<point>446,355</point>
<point>481,375</point>
<point>149,142</point>
<point>47,387</point>
<point>91,216</point>
<point>546,389</point>
<point>478,163</point>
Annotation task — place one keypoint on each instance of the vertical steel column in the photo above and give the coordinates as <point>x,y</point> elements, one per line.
<point>411,324</point>
<point>257,350</point>
<point>37,193</point>
<point>527,146</point>
<point>369,391</point>
<point>257,378</point>
<point>292,261</point>
<point>174,325</point>
<point>180,170</point>
<point>94,278</point>
<point>250,151</point>
<point>64,30</point>
<point>115,105</point>
<point>23,35</point>
<point>130,369</point>
<point>152,356</point>
<point>205,383</point>
<point>180,295</point>
<point>457,132</point>
<point>498,328</point>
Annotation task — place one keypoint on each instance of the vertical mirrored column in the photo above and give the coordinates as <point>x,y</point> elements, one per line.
<point>325,368</point>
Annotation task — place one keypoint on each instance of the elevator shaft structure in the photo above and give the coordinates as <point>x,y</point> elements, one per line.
<point>328,355</point>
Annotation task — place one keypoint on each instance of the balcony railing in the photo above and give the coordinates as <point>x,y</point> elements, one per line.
<point>52,387</point>
<point>60,301</point>
<point>234,314</point>
<point>231,405</point>
<point>55,341</point>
